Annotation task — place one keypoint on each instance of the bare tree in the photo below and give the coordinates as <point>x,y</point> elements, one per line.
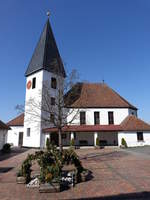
<point>54,111</point>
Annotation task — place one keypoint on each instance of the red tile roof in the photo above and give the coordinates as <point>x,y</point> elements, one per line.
<point>3,126</point>
<point>132,123</point>
<point>85,128</point>
<point>18,121</point>
<point>95,95</point>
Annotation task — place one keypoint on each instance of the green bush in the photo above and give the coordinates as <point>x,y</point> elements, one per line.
<point>124,143</point>
<point>70,157</point>
<point>25,169</point>
<point>72,142</point>
<point>6,148</point>
<point>51,163</point>
<point>97,142</point>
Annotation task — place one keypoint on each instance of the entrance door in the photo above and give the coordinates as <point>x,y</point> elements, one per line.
<point>54,138</point>
<point>20,139</point>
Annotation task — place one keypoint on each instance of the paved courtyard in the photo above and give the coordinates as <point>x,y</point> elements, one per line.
<point>116,174</point>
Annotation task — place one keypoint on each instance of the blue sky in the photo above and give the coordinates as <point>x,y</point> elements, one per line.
<point>102,39</point>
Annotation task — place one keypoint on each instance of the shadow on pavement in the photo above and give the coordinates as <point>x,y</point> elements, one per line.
<point>14,151</point>
<point>131,196</point>
<point>105,156</point>
<point>5,169</point>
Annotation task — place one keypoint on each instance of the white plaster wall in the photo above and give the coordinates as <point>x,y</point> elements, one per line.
<point>13,135</point>
<point>119,115</point>
<point>47,135</point>
<point>33,121</point>
<point>131,138</point>
<point>3,134</point>
<point>52,93</point>
<point>47,81</point>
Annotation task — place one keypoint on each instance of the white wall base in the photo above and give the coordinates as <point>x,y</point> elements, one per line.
<point>13,135</point>
<point>131,139</point>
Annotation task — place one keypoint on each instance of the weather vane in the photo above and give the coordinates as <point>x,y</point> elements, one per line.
<point>48,13</point>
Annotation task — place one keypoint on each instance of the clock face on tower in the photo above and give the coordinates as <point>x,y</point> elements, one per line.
<point>29,85</point>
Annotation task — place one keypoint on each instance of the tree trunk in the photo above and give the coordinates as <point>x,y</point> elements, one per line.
<point>60,140</point>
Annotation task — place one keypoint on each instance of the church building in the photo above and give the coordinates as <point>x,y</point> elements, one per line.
<point>100,111</point>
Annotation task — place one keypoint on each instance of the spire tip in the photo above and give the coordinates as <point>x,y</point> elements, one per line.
<point>48,13</point>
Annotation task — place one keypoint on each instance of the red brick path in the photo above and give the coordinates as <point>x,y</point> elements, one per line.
<point>114,172</point>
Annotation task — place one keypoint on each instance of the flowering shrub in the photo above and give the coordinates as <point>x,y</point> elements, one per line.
<point>48,177</point>
<point>51,162</point>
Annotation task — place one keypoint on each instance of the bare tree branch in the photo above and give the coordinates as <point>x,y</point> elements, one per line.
<point>43,110</point>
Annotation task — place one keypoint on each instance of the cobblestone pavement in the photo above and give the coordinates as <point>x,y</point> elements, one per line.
<point>116,174</point>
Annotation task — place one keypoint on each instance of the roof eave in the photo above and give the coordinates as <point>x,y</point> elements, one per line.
<point>111,107</point>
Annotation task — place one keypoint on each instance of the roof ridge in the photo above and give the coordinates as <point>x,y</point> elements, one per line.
<point>125,120</point>
<point>100,95</point>
<point>122,98</point>
<point>141,120</point>
<point>10,122</point>
<point>45,41</point>
<point>93,83</point>
<point>16,116</point>
<point>133,123</point>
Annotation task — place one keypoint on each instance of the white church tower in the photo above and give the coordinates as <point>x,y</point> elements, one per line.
<point>45,69</point>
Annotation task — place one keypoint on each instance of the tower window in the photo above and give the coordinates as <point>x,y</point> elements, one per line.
<point>53,83</point>
<point>52,101</point>
<point>28,132</point>
<point>52,118</point>
<point>82,118</point>
<point>96,118</point>
<point>33,83</point>
<point>110,117</point>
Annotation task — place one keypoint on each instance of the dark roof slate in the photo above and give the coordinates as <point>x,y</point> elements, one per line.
<point>46,55</point>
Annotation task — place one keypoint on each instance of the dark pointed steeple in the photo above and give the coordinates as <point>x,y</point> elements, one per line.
<point>46,55</point>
